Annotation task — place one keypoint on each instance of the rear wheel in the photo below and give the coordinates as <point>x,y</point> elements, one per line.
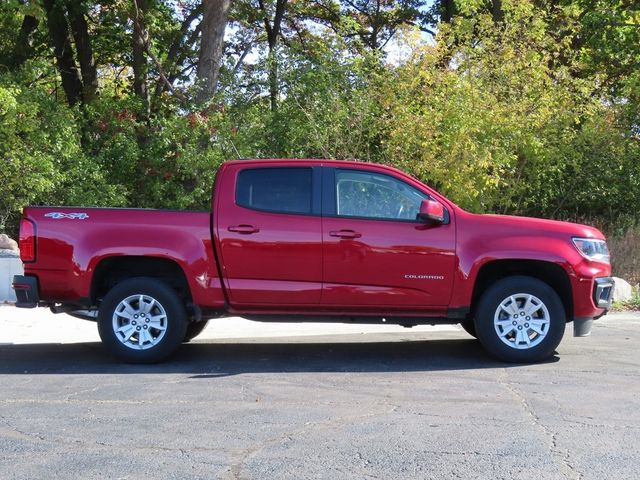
<point>194,329</point>
<point>142,320</point>
<point>520,319</point>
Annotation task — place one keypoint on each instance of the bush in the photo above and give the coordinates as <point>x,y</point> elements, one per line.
<point>42,160</point>
<point>625,255</point>
<point>504,130</point>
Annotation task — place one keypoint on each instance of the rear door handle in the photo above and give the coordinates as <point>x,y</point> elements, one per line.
<point>244,229</point>
<point>345,234</point>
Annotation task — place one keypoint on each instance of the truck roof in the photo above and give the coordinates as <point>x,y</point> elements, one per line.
<point>285,160</point>
<point>314,161</point>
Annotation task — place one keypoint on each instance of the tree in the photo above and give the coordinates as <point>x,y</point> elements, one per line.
<point>373,23</point>
<point>516,106</point>
<point>23,48</point>
<point>80,31</point>
<point>79,86</point>
<point>272,27</point>
<point>61,43</point>
<point>139,45</point>
<point>180,49</point>
<point>212,30</point>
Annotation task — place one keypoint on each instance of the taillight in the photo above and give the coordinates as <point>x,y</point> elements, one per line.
<point>27,241</point>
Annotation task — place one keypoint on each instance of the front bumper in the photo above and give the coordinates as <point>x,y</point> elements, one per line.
<point>603,292</point>
<point>26,289</point>
<point>602,296</point>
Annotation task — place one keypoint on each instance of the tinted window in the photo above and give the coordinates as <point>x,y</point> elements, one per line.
<point>286,190</point>
<point>374,195</point>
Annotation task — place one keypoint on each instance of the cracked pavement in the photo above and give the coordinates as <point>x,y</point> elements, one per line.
<point>400,405</point>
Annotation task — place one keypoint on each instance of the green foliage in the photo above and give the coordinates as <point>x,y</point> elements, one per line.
<point>41,157</point>
<point>632,304</point>
<point>536,113</point>
<point>328,111</point>
<point>167,162</point>
<point>506,129</point>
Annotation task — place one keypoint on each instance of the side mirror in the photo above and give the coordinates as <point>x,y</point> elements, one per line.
<point>431,211</point>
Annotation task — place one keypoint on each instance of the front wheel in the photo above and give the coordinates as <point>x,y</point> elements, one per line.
<point>142,320</point>
<point>520,319</point>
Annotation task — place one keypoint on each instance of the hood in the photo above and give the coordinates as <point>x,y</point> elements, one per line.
<point>526,225</point>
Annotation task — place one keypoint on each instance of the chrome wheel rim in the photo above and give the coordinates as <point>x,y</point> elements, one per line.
<point>522,321</point>
<point>139,322</point>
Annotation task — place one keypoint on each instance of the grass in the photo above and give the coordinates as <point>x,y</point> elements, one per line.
<point>631,304</point>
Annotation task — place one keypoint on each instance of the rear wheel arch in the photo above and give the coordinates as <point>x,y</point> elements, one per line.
<point>113,270</point>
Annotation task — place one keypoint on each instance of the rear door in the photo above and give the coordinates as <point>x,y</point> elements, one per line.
<point>376,254</point>
<point>268,228</point>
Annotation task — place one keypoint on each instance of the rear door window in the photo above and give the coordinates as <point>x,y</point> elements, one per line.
<point>279,190</point>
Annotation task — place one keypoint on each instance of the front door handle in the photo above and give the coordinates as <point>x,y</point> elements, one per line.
<point>345,234</point>
<point>244,229</point>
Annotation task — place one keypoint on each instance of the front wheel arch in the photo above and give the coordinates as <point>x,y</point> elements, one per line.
<point>554,275</point>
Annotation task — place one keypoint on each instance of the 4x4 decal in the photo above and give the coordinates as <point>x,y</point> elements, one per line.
<point>70,216</point>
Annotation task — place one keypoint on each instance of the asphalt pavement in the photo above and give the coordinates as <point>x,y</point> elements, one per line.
<point>297,402</point>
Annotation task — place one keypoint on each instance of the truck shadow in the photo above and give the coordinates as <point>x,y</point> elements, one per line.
<point>212,360</point>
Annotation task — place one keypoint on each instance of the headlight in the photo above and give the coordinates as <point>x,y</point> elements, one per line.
<point>592,249</point>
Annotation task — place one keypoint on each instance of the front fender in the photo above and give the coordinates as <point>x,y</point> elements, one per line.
<point>478,252</point>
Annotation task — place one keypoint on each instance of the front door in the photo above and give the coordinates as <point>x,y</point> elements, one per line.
<point>376,254</point>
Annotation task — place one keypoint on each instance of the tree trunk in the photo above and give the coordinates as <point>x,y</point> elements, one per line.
<point>82,40</point>
<point>496,10</point>
<point>273,32</point>
<point>176,55</point>
<point>59,35</point>
<point>447,10</point>
<point>273,79</point>
<point>139,47</point>
<point>23,48</point>
<point>214,23</point>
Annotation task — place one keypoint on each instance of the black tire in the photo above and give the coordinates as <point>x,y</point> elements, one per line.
<point>470,327</point>
<point>194,329</point>
<point>167,312</point>
<point>518,287</point>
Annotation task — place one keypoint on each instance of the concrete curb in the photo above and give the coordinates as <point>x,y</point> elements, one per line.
<point>9,266</point>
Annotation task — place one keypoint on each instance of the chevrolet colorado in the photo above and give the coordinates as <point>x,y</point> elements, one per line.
<point>314,240</point>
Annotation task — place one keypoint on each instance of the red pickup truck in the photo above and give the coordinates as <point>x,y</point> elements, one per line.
<point>314,240</point>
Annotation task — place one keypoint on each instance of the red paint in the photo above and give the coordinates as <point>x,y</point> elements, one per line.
<point>69,250</point>
<point>269,258</point>
<point>305,263</point>
<point>389,264</point>
<point>432,211</point>
<point>484,238</point>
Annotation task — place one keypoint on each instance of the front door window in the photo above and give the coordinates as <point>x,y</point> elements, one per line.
<point>374,195</point>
